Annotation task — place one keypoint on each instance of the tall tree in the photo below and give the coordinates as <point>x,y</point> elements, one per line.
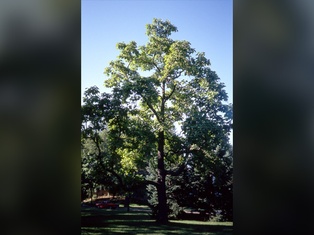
<point>166,85</point>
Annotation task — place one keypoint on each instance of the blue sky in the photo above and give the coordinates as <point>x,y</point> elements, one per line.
<point>207,24</point>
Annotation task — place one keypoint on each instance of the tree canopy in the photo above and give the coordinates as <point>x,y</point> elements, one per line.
<point>167,109</point>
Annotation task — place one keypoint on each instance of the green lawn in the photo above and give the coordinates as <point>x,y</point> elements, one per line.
<point>137,221</point>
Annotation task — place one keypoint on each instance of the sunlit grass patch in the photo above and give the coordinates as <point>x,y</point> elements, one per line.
<point>201,222</point>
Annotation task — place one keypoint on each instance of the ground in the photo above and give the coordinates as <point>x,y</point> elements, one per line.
<point>96,221</point>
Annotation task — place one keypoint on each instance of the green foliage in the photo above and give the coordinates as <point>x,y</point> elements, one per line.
<point>103,118</point>
<point>151,190</point>
<point>203,185</point>
<point>174,208</point>
<point>209,184</point>
<point>166,118</point>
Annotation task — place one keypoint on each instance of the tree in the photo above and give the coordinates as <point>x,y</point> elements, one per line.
<point>202,185</point>
<point>209,185</point>
<point>100,163</point>
<point>166,86</point>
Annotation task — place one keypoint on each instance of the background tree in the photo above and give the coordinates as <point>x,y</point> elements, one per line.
<point>100,164</point>
<point>209,186</point>
<point>165,86</point>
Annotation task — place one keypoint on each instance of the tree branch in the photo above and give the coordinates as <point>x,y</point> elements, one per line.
<point>151,182</point>
<point>181,168</point>
<point>171,93</point>
<point>151,108</point>
<point>156,64</point>
<point>95,139</point>
<point>116,175</point>
<point>178,75</point>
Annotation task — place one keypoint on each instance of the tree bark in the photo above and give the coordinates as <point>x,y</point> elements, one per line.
<point>162,215</point>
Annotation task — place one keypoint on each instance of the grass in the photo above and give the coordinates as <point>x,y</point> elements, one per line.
<point>96,221</point>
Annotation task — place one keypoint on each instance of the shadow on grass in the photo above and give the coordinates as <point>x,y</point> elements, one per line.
<point>95,221</point>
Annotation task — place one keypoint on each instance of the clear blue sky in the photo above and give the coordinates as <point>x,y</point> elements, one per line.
<point>207,24</point>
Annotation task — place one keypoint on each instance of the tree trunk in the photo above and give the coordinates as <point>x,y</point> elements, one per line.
<point>162,216</point>
<point>91,193</point>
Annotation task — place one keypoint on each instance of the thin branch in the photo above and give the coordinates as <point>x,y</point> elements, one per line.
<point>156,64</point>
<point>151,182</point>
<point>116,175</point>
<point>171,93</point>
<point>151,108</point>
<point>181,168</point>
<point>95,139</point>
<point>157,67</point>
